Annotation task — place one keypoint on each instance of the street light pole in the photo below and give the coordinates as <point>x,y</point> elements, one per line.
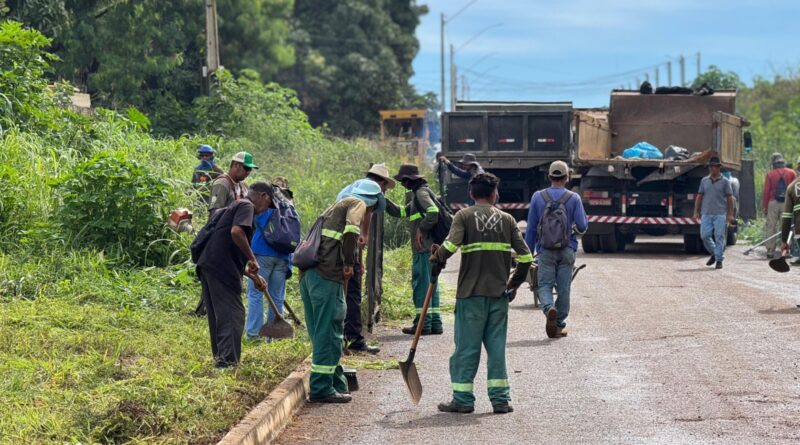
<point>453,85</point>
<point>442,98</point>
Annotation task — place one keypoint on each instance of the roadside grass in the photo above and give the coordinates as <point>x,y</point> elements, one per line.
<point>753,231</point>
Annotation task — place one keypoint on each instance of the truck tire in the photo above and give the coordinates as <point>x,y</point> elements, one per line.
<point>590,243</point>
<point>622,240</point>
<point>693,244</point>
<point>608,243</point>
<point>730,240</point>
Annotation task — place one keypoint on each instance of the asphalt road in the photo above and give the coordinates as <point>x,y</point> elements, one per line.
<point>661,349</point>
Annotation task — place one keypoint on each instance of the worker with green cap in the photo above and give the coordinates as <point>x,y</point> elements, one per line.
<point>486,237</point>
<point>423,215</point>
<point>322,290</point>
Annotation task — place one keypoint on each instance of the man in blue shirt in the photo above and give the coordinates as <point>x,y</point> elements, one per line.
<point>555,265</point>
<point>273,267</point>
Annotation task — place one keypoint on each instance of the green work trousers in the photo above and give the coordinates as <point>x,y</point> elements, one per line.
<point>420,279</point>
<point>324,305</point>
<point>480,320</point>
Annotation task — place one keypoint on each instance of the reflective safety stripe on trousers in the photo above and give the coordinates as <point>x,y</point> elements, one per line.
<point>338,235</point>
<point>431,310</point>
<point>497,383</point>
<point>486,247</point>
<point>323,369</point>
<point>462,387</point>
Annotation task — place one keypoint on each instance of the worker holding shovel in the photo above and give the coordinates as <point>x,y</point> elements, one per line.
<point>486,237</point>
<point>790,216</point>
<point>322,290</point>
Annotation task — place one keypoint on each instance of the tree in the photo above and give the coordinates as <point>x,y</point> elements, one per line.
<point>149,53</point>
<point>353,59</point>
<point>718,79</point>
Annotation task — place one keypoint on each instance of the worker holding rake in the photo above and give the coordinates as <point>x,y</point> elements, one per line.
<point>486,237</point>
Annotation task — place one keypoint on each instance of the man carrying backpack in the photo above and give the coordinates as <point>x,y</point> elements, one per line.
<point>775,185</point>
<point>555,215</point>
<point>220,267</point>
<point>423,214</point>
<point>321,287</point>
<point>486,237</point>
<point>277,232</point>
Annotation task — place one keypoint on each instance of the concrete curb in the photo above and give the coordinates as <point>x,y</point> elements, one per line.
<point>267,420</point>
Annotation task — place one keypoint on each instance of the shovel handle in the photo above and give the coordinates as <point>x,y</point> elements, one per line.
<point>278,315</point>
<point>421,321</point>
<point>292,314</point>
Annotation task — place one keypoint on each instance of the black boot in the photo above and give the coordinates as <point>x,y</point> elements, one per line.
<point>333,398</point>
<point>502,408</point>
<point>454,407</point>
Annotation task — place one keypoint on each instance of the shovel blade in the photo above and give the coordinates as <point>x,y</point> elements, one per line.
<point>779,265</point>
<point>277,329</point>
<point>409,370</point>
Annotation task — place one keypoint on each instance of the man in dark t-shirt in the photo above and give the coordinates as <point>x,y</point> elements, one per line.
<point>220,268</point>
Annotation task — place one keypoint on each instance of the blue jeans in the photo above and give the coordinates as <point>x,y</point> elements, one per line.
<point>714,232</point>
<point>555,269</point>
<point>273,270</point>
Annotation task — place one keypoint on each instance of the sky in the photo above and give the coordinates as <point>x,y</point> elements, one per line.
<point>578,50</point>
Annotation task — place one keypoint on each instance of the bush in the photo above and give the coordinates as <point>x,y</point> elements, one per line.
<point>114,204</point>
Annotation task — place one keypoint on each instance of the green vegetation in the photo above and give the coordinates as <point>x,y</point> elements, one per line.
<point>96,341</point>
<point>347,59</point>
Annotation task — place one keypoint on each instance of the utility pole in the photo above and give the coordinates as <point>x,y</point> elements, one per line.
<point>682,62</point>
<point>669,73</point>
<point>212,44</point>
<point>646,77</point>
<point>657,79</point>
<point>453,79</point>
<point>463,88</point>
<point>442,99</point>
<point>638,84</point>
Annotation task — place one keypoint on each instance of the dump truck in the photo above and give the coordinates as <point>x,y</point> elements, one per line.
<point>514,140</point>
<point>627,197</point>
<point>410,132</point>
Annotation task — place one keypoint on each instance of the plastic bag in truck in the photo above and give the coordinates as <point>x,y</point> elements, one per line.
<point>675,153</point>
<point>643,150</point>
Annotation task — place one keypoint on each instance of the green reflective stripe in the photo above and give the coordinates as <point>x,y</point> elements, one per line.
<point>432,209</point>
<point>796,207</point>
<point>497,383</point>
<point>415,217</point>
<point>332,234</point>
<point>352,229</point>
<point>786,215</point>
<point>482,247</point>
<point>402,212</point>
<point>528,258</point>
<point>450,246</point>
<point>434,310</point>
<point>323,369</point>
<point>462,387</point>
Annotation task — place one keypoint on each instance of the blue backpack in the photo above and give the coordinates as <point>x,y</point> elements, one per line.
<point>282,232</point>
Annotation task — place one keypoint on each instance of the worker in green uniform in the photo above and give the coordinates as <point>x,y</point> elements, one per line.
<point>423,215</point>
<point>486,236</point>
<point>322,290</point>
<point>790,218</point>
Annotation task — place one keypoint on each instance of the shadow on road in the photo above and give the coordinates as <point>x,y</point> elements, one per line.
<point>529,343</point>
<point>784,311</point>
<point>437,420</point>
<point>698,269</point>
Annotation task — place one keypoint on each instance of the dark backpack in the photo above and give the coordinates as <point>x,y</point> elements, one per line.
<point>306,255</point>
<point>283,228</point>
<point>442,228</point>
<point>554,228</point>
<point>780,190</point>
<point>201,240</point>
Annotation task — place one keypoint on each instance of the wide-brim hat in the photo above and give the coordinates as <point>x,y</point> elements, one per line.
<point>245,159</point>
<point>777,158</point>
<point>714,160</point>
<point>469,159</point>
<point>382,171</point>
<point>408,171</point>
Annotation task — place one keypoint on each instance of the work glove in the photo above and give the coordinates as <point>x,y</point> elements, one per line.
<point>510,293</point>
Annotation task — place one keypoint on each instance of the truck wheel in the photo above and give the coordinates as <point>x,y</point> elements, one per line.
<point>608,243</point>
<point>590,243</point>
<point>730,240</point>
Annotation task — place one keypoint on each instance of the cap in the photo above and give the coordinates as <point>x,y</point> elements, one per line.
<point>382,171</point>
<point>281,181</point>
<point>206,149</point>
<point>558,169</point>
<point>245,159</point>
